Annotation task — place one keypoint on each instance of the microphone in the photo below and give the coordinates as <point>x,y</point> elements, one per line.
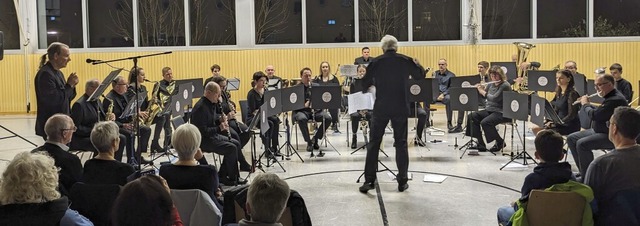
<point>89,61</point>
<point>592,95</point>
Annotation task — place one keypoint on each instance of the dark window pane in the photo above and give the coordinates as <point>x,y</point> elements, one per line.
<point>278,21</point>
<point>330,21</point>
<point>502,19</point>
<point>381,17</point>
<point>9,25</point>
<point>213,22</point>
<point>616,18</point>
<point>110,23</point>
<point>61,22</point>
<point>161,22</point>
<point>436,20</point>
<point>567,18</point>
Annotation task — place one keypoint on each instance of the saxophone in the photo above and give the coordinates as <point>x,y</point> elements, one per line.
<point>155,107</point>
<point>110,108</point>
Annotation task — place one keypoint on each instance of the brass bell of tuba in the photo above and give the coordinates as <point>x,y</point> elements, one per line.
<point>523,53</point>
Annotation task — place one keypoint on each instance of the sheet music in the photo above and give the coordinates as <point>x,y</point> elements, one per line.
<point>349,70</point>
<point>360,101</point>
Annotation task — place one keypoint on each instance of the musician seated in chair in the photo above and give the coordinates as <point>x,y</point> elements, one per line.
<point>360,115</point>
<point>85,115</point>
<point>255,99</point>
<point>239,131</point>
<point>583,143</point>
<point>303,116</point>
<point>443,77</point>
<point>126,123</point>
<point>563,105</point>
<point>216,137</point>
<point>491,116</point>
<point>622,84</point>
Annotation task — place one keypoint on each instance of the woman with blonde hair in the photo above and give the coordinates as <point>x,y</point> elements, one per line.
<point>29,195</point>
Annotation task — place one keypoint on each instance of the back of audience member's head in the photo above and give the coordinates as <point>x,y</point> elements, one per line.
<point>267,198</point>
<point>549,146</point>
<point>29,178</point>
<point>186,140</point>
<point>55,125</point>
<point>626,122</point>
<point>144,201</point>
<point>105,136</point>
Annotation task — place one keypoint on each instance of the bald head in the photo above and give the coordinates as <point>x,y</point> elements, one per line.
<point>212,91</point>
<point>270,71</point>
<point>90,86</point>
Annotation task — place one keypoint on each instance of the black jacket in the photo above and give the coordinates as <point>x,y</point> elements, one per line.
<point>600,115</point>
<point>53,95</point>
<point>120,103</point>
<point>205,116</point>
<point>389,73</point>
<point>69,164</point>
<point>47,213</point>
<point>545,175</point>
<point>85,115</point>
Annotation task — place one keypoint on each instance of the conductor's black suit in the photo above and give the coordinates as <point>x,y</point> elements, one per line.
<point>389,73</point>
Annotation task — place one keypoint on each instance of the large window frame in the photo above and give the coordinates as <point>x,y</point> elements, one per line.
<point>245,8</point>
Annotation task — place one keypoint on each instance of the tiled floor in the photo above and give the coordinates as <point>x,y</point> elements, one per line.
<point>470,195</point>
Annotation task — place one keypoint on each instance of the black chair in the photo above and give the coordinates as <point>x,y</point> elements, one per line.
<point>94,201</point>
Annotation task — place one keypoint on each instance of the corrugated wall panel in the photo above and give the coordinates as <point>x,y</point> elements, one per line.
<point>462,60</point>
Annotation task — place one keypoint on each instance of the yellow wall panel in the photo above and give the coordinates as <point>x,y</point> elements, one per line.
<point>462,60</point>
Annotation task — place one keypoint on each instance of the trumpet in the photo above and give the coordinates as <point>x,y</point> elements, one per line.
<point>592,95</point>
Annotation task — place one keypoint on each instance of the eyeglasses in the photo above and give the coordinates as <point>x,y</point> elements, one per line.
<point>74,128</point>
<point>601,84</point>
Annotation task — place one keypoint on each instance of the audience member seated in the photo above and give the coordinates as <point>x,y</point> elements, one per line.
<point>562,103</point>
<point>548,172</point>
<point>59,129</point>
<point>145,201</point>
<point>104,169</point>
<point>187,173</point>
<point>28,194</point>
<point>617,170</point>
<point>266,200</point>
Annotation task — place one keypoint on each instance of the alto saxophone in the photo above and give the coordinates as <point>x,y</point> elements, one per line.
<point>155,107</point>
<point>110,108</point>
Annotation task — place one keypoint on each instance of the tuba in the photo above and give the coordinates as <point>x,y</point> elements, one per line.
<point>523,52</point>
<point>155,107</point>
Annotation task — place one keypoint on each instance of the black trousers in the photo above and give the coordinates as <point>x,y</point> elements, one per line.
<point>237,132</point>
<point>270,138</point>
<point>163,122</point>
<point>143,143</point>
<point>229,148</point>
<point>423,118</point>
<point>488,121</point>
<point>399,124</point>
<point>335,117</point>
<point>356,118</point>
<point>302,118</point>
<point>447,103</point>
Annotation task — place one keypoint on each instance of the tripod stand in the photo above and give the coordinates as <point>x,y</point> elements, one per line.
<point>524,154</point>
<point>268,153</point>
<point>364,125</point>
<point>378,171</point>
<point>324,136</point>
<point>287,144</point>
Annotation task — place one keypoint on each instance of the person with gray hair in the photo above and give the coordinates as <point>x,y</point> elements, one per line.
<point>189,172</point>
<point>53,92</point>
<point>617,172</point>
<point>104,169</point>
<point>60,129</point>
<point>389,73</point>
<point>28,194</point>
<point>267,198</point>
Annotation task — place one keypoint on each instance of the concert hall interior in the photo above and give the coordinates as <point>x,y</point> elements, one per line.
<point>474,184</point>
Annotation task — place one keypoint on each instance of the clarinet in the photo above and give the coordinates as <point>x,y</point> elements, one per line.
<point>223,119</point>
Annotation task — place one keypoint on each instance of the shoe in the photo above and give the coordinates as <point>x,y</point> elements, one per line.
<point>310,147</point>
<point>228,182</point>
<point>480,148</point>
<point>449,126</point>
<point>402,184</point>
<point>321,154</point>
<point>277,154</point>
<point>315,145</point>
<point>156,148</point>
<point>354,142</point>
<point>335,129</point>
<point>241,181</point>
<point>366,187</point>
<point>498,146</point>
<point>245,167</point>
<point>419,142</point>
<point>312,155</point>
<point>456,129</point>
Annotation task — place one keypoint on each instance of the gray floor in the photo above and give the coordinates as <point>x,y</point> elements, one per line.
<point>471,194</point>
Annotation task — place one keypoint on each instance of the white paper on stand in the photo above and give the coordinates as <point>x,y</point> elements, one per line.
<point>349,70</point>
<point>434,178</point>
<point>360,101</point>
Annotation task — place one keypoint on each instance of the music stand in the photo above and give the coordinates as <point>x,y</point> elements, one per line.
<point>233,84</point>
<point>551,114</point>
<point>292,99</point>
<point>103,86</point>
<point>591,89</point>
<point>418,91</point>
<point>538,110</point>
<point>465,99</point>
<point>515,106</point>
<point>181,101</point>
<point>196,89</point>
<point>326,97</point>
<point>580,84</point>
<point>131,108</point>
<point>509,68</point>
<point>465,81</point>
<point>542,81</point>
<point>348,70</point>
<point>269,105</point>
<point>274,83</point>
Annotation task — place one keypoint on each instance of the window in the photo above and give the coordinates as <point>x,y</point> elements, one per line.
<point>558,19</point>
<point>110,23</point>
<point>60,22</point>
<point>616,18</point>
<point>330,21</point>
<point>381,17</point>
<point>436,20</point>
<point>503,19</point>
<point>161,22</point>
<point>212,22</point>
<point>278,21</point>
<point>9,25</point>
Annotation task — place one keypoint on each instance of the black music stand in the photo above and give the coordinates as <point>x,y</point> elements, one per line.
<point>551,114</point>
<point>509,68</point>
<point>538,110</point>
<point>194,84</point>
<point>516,106</point>
<point>580,84</point>
<point>591,89</point>
<point>255,163</point>
<point>326,97</point>
<point>418,91</point>
<point>544,81</point>
<point>131,111</point>
<point>465,99</point>
<point>272,106</point>
<point>292,99</point>
<point>469,81</point>
<point>103,86</point>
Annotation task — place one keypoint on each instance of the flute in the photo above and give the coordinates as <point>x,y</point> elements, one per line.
<point>592,95</point>
<point>484,84</point>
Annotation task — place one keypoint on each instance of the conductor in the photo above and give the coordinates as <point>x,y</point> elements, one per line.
<point>389,73</point>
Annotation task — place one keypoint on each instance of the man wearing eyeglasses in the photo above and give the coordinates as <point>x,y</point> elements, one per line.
<point>583,143</point>
<point>59,129</point>
<point>126,123</point>
<point>85,114</point>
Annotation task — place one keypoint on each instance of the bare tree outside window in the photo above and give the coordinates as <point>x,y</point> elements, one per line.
<point>110,23</point>
<point>505,19</point>
<point>436,20</point>
<point>213,22</point>
<point>161,22</point>
<point>382,17</point>
<point>9,25</point>
<point>278,21</point>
